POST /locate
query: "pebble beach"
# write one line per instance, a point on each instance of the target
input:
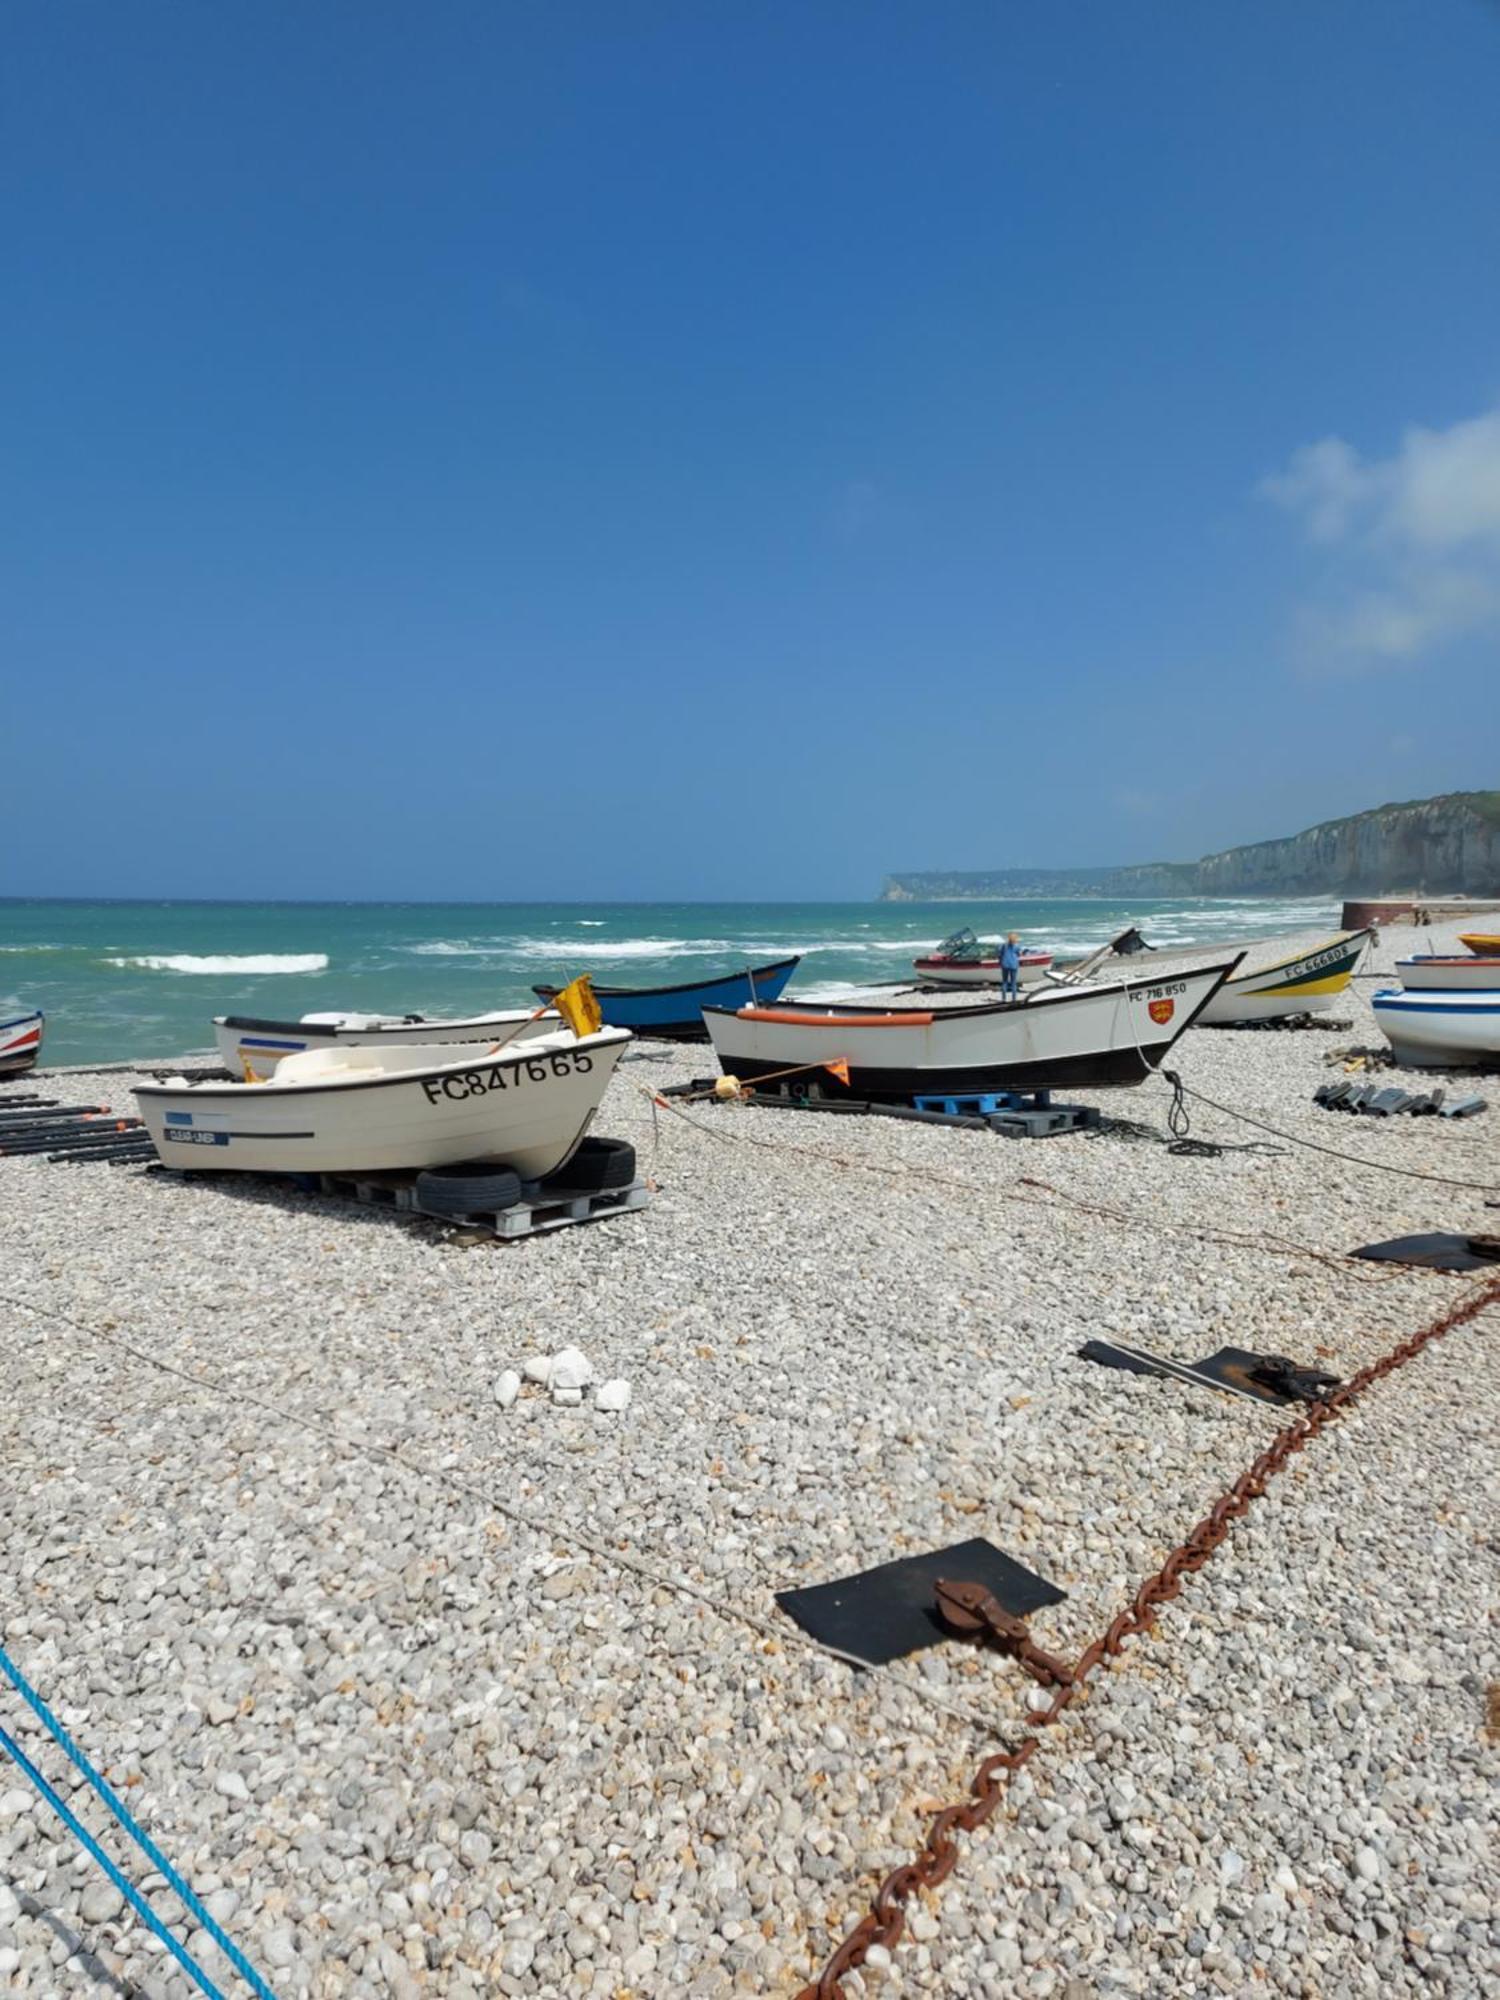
(431, 1694)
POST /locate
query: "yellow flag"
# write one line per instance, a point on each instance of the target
(840, 1068)
(578, 1007)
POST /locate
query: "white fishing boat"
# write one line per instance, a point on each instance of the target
(20, 1043)
(346, 1110)
(1428, 972)
(1436, 1030)
(964, 960)
(1306, 983)
(1055, 1036)
(253, 1048)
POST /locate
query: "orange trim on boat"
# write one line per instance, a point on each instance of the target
(800, 1020)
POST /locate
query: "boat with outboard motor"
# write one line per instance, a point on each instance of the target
(254, 1048)
(1087, 1036)
(963, 960)
(21, 1043)
(675, 1013)
(1437, 1030)
(1307, 982)
(350, 1110)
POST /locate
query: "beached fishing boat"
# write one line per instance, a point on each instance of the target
(962, 960)
(351, 1110)
(675, 1013)
(253, 1048)
(20, 1043)
(1085, 1036)
(1484, 944)
(1440, 1030)
(1306, 983)
(1429, 972)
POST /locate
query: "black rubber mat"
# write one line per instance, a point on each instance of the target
(883, 1614)
(1440, 1251)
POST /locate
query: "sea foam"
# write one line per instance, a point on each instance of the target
(256, 963)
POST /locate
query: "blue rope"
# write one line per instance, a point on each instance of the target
(132, 1895)
(137, 1833)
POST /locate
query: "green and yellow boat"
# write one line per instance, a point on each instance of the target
(1306, 983)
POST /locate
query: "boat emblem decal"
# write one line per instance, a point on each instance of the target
(1161, 1011)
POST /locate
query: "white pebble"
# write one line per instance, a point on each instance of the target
(613, 1395)
(507, 1388)
(538, 1368)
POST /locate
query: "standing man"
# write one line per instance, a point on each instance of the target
(1010, 968)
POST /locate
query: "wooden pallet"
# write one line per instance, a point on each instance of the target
(536, 1212)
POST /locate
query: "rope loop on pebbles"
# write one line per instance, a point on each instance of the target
(105, 1791)
(1181, 1089)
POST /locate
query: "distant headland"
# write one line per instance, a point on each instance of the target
(1443, 846)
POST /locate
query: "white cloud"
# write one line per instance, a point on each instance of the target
(1413, 540)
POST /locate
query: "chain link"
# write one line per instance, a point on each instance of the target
(938, 1855)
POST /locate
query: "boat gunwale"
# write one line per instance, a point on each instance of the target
(232, 1093)
(1050, 996)
(330, 1029)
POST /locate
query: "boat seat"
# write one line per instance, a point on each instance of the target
(318, 1066)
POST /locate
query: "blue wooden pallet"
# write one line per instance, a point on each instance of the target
(985, 1103)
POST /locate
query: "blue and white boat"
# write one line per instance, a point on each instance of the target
(675, 1013)
(1433, 1029)
(20, 1043)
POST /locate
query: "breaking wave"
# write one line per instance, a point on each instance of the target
(257, 963)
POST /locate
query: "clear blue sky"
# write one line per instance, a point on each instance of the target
(682, 450)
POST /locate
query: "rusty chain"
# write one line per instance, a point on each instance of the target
(936, 1859)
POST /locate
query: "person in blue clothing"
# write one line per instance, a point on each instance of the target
(1010, 968)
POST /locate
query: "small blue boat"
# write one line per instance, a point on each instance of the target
(675, 1013)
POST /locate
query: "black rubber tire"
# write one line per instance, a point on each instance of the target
(597, 1165)
(471, 1187)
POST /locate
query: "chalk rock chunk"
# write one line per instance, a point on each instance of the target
(575, 1363)
(566, 1394)
(538, 1369)
(507, 1388)
(614, 1395)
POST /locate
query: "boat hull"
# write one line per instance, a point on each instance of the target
(1306, 983)
(1083, 1037)
(255, 1048)
(1484, 944)
(979, 971)
(1440, 1030)
(21, 1043)
(361, 1110)
(675, 1013)
(1448, 975)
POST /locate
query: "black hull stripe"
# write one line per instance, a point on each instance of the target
(1117, 1069)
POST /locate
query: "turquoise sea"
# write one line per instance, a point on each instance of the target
(118, 980)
